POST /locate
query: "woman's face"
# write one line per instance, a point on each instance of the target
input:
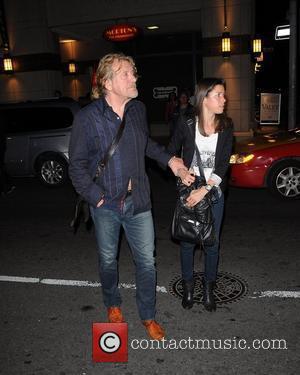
(215, 100)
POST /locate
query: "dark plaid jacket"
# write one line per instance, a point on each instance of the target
(94, 128)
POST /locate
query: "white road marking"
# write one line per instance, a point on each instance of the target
(160, 289)
(69, 282)
(18, 279)
(63, 282)
(278, 293)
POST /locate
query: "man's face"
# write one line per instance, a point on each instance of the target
(123, 81)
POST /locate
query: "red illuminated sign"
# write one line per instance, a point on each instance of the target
(121, 32)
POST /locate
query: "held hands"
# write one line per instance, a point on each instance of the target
(176, 164)
(187, 177)
(181, 171)
(196, 196)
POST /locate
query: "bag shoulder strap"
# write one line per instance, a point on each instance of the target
(111, 150)
(189, 123)
(199, 162)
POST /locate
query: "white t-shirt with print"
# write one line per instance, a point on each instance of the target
(207, 149)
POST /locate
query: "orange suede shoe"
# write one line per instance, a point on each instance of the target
(115, 315)
(155, 331)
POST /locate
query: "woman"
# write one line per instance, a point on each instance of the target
(211, 130)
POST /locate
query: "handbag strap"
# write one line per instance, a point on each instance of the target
(199, 162)
(189, 122)
(111, 150)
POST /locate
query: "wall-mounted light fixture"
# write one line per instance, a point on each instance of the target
(72, 67)
(8, 64)
(226, 44)
(256, 47)
(226, 48)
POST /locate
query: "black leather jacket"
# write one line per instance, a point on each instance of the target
(182, 144)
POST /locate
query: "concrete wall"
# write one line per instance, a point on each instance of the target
(237, 70)
(29, 34)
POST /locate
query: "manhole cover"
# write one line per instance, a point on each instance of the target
(228, 288)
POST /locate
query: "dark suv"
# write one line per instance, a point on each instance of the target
(37, 138)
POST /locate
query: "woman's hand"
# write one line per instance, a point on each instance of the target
(196, 196)
(186, 177)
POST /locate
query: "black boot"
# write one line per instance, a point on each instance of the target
(188, 294)
(208, 295)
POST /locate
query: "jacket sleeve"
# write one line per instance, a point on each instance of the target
(154, 150)
(175, 144)
(157, 152)
(223, 161)
(79, 160)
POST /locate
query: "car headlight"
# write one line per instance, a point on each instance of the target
(240, 158)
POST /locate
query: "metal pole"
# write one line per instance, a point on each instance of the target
(292, 65)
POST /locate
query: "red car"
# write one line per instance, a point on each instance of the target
(271, 161)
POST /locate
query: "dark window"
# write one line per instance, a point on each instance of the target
(35, 119)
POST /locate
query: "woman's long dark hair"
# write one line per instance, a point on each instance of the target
(203, 88)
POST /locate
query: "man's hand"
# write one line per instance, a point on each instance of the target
(100, 203)
(176, 164)
(186, 176)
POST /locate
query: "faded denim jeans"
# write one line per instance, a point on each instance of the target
(139, 232)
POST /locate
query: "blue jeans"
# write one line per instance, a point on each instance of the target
(139, 232)
(211, 253)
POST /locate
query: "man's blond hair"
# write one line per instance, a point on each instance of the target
(105, 71)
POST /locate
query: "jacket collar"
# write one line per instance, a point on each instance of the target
(106, 110)
(191, 124)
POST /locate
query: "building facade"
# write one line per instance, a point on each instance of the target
(43, 36)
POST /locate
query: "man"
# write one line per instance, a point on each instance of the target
(121, 197)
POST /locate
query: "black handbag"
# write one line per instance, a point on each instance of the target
(194, 224)
(82, 207)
